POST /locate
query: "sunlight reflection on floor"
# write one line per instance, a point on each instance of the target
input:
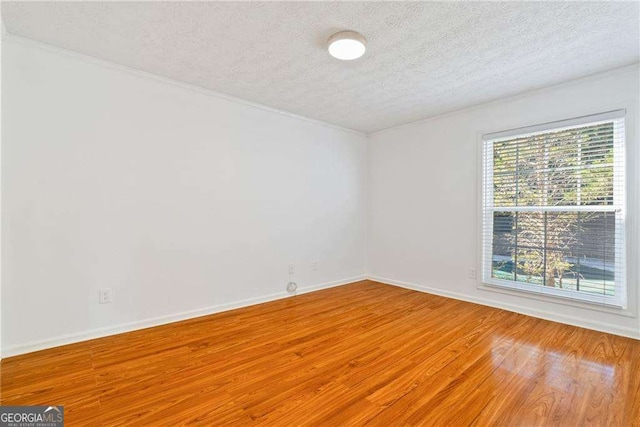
(527, 360)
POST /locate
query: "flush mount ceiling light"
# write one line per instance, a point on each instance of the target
(347, 45)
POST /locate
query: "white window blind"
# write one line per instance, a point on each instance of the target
(554, 209)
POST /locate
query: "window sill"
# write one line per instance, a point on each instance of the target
(559, 300)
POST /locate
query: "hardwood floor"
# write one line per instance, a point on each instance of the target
(364, 353)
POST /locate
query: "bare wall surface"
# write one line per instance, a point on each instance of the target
(424, 196)
(178, 201)
(184, 203)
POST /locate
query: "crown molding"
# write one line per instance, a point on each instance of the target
(634, 67)
(6, 36)
(166, 80)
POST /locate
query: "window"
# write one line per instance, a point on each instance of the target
(554, 209)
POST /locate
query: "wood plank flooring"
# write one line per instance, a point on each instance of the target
(364, 353)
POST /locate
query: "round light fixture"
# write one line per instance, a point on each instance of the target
(347, 45)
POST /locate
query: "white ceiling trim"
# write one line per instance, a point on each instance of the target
(633, 68)
(7, 36)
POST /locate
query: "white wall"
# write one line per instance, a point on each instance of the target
(2, 34)
(175, 199)
(424, 206)
(185, 203)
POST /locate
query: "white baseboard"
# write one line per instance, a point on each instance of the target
(554, 317)
(29, 347)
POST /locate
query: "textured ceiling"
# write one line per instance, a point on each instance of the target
(423, 58)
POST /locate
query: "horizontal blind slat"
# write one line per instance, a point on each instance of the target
(553, 211)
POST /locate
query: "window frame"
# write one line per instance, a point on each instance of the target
(618, 302)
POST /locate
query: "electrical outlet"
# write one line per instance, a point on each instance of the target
(104, 296)
(292, 269)
(472, 273)
(315, 266)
